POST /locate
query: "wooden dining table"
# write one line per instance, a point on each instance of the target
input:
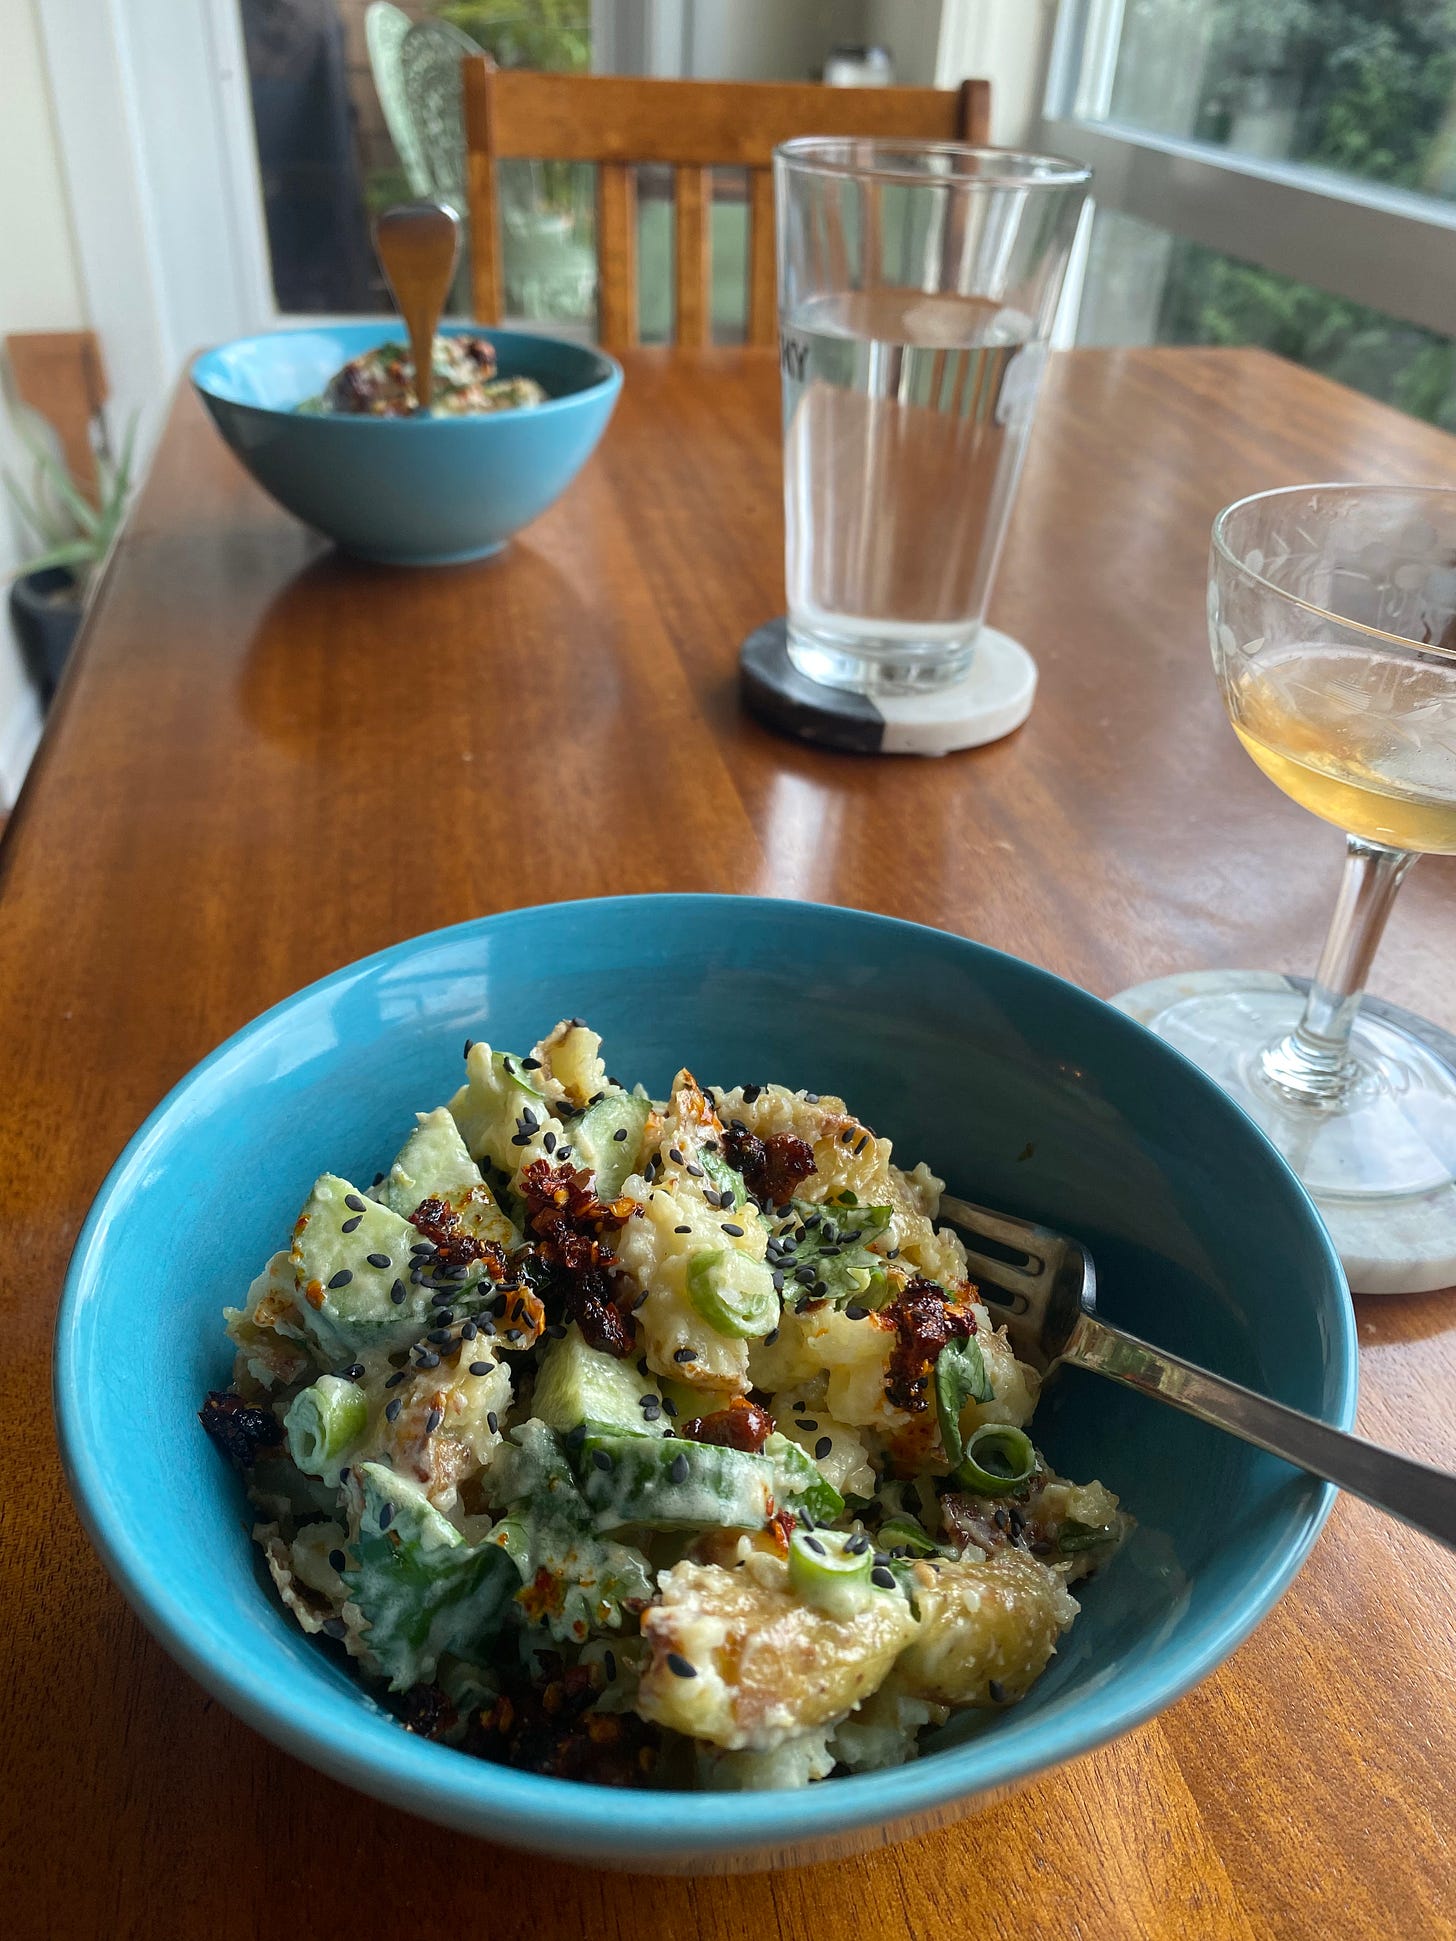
(267, 760)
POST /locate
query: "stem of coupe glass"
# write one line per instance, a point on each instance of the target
(1312, 1064)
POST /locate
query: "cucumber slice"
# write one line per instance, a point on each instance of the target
(422, 1589)
(673, 1485)
(578, 1384)
(798, 1482)
(346, 1300)
(608, 1136)
(434, 1164)
(733, 1292)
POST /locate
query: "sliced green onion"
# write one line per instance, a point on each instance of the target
(997, 1459)
(827, 1574)
(1074, 1536)
(323, 1423)
(902, 1533)
(732, 1291)
(960, 1377)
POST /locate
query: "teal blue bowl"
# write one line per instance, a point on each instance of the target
(407, 491)
(1023, 1091)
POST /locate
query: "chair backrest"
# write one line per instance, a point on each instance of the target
(694, 126)
(385, 27)
(430, 57)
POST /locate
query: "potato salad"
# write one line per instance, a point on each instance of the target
(651, 1442)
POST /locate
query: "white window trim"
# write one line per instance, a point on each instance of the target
(1383, 247)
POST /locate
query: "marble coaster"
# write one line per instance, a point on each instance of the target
(994, 697)
(1388, 1246)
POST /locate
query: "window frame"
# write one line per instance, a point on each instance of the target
(1390, 249)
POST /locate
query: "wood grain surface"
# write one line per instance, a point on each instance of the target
(232, 800)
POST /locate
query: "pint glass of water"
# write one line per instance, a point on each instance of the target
(917, 287)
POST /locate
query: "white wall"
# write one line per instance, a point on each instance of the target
(768, 40)
(40, 289)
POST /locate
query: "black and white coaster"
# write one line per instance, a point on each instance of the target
(994, 697)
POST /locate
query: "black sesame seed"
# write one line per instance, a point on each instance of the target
(549, 1141)
(342, 1278)
(730, 1226)
(530, 1064)
(811, 1098)
(620, 1134)
(823, 1447)
(997, 1691)
(682, 1229)
(379, 1260)
(344, 1474)
(492, 1421)
(601, 1459)
(353, 1372)
(433, 1421)
(805, 1422)
(805, 1275)
(520, 1138)
(806, 1521)
(857, 1546)
(469, 1331)
(427, 1359)
(854, 1312)
(556, 1331)
(334, 1627)
(685, 1354)
(350, 1225)
(640, 1299)
(353, 1202)
(564, 1153)
(576, 1437)
(861, 1146)
(669, 1407)
(677, 1470)
(751, 1093)
(846, 1135)
(813, 1543)
(438, 1335)
(392, 1409)
(884, 1577)
(609, 1664)
(469, 1046)
(480, 1367)
(394, 1381)
(386, 1515)
(679, 1665)
(695, 1171)
(771, 1337)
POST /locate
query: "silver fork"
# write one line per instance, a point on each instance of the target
(1047, 1297)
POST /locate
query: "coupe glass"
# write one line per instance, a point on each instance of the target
(1332, 617)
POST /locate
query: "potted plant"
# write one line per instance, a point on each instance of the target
(48, 592)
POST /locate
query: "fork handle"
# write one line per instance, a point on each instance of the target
(1416, 1492)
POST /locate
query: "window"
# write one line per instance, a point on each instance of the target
(1311, 139)
(1144, 285)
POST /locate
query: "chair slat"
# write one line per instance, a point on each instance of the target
(693, 190)
(762, 272)
(487, 296)
(617, 255)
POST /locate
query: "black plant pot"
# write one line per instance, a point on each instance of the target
(46, 610)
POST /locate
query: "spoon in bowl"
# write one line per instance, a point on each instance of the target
(1043, 1287)
(418, 245)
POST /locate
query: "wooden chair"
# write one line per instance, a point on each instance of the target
(618, 121)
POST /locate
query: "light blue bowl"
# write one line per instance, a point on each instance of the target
(407, 491)
(1025, 1092)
